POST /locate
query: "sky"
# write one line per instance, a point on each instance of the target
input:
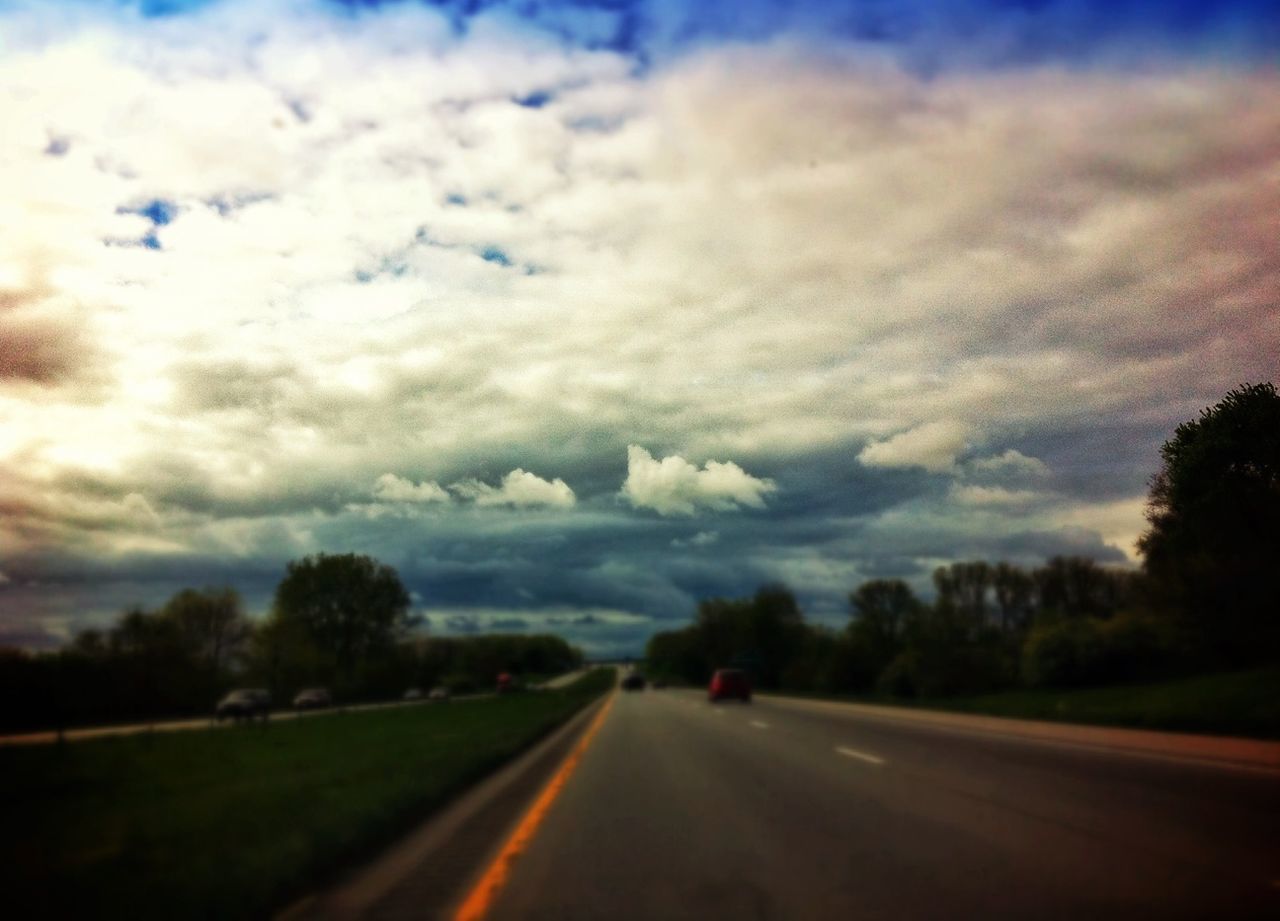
(576, 313)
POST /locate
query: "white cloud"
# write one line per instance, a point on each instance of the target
(520, 489)
(701, 539)
(392, 488)
(992, 496)
(1010, 463)
(933, 446)
(673, 486)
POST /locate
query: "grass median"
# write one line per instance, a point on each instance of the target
(231, 823)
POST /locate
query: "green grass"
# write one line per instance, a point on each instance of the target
(1236, 703)
(233, 823)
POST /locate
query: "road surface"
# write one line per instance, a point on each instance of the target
(791, 810)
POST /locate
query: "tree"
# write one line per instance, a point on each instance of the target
(350, 606)
(963, 589)
(882, 609)
(1214, 515)
(211, 622)
(1015, 596)
(1075, 586)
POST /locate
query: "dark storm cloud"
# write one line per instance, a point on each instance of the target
(39, 345)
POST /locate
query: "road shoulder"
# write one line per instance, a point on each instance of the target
(428, 871)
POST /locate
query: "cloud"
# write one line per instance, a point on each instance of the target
(519, 489)
(992, 496)
(673, 486)
(392, 488)
(932, 446)
(1010, 463)
(1070, 259)
(701, 539)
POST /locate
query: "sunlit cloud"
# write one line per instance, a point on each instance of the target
(519, 489)
(932, 446)
(673, 486)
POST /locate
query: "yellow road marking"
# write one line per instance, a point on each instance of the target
(481, 897)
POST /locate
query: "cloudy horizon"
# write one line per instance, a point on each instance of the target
(577, 313)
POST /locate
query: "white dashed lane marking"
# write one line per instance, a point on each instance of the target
(861, 756)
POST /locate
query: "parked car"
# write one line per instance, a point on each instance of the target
(312, 699)
(633, 682)
(729, 683)
(244, 704)
(506, 683)
(440, 694)
(413, 694)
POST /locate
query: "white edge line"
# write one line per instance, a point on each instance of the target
(861, 756)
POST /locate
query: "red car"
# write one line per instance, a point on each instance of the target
(506, 684)
(729, 682)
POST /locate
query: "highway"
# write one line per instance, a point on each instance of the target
(788, 809)
(84, 733)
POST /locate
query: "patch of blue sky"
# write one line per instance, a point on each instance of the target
(149, 240)
(496, 255)
(535, 100)
(158, 211)
(931, 33)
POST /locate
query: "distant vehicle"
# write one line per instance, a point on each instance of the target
(413, 694)
(313, 699)
(506, 683)
(729, 682)
(439, 694)
(633, 682)
(244, 704)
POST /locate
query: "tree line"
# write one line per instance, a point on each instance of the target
(337, 621)
(1204, 598)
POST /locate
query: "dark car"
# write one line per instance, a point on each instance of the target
(633, 682)
(729, 683)
(313, 699)
(244, 704)
(506, 683)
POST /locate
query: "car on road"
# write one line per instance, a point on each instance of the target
(506, 683)
(729, 683)
(312, 699)
(413, 694)
(439, 694)
(244, 704)
(633, 682)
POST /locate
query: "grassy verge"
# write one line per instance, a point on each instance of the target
(1237, 703)
(231, 823)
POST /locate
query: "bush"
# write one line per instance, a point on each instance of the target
(900, 677)
(1063, 654)
(1138, 646)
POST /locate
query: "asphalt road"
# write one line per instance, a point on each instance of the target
(785, 810)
